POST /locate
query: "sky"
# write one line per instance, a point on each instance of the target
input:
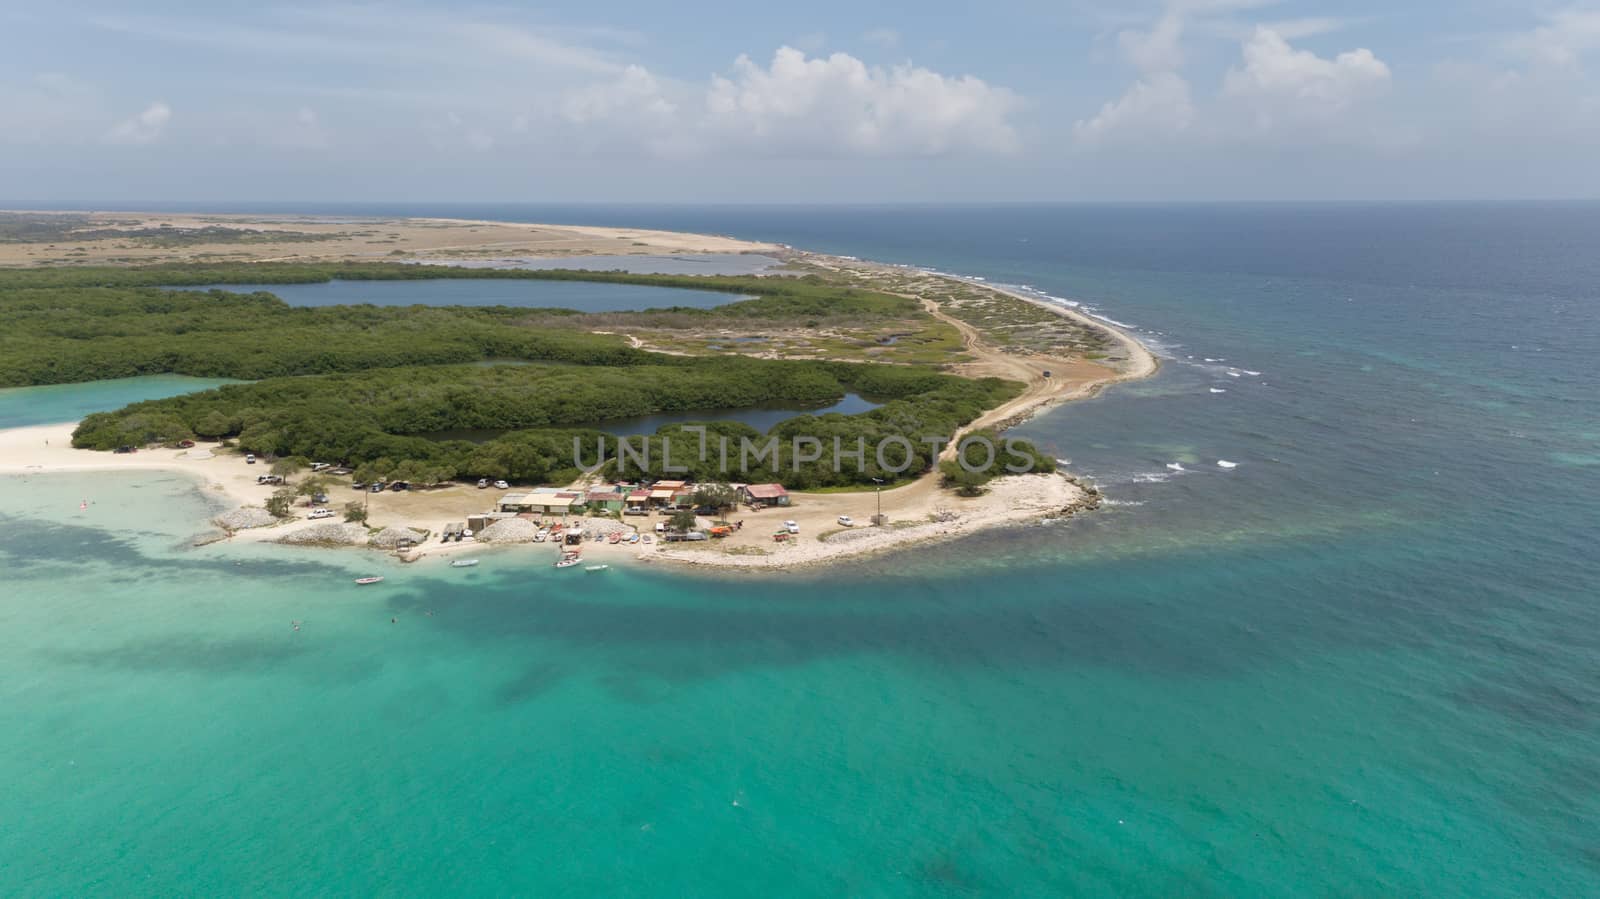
(820, 102)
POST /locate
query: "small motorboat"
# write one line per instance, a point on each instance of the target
(646, 539)
(593, 568)
(569, 561)
(369, 580)
(633, 538)
(464, 563)
(616, 537)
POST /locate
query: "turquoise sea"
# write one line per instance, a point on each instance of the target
(1363, 662)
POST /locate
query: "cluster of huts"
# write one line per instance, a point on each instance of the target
(628, 499)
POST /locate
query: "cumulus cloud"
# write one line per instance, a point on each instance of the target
(1564, 38)
(634, 92)
(1156, 105)
(1280, 84)
(144, 128)
(1157, 49)
(838, 105)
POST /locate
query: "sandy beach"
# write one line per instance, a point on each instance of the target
(291, 238)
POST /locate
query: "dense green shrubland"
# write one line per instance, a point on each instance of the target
(379, 416)
(85, 324)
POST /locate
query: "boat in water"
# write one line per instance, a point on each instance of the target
(569, 559)
(369, 580)
(464, 563)
(593, 568)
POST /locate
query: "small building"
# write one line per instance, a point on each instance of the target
(603, 499)
(661, 497)
(515, 502)
(765, 494)
(555, 503)
(637, 502)
(543, 503)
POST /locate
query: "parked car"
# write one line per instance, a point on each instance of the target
(249, 458)
(124, 449)
(320, 513)
(376, 488)
(661, 527)
(847, 521)
(792, 527)
(501, 485)
(398, 486)
(185, 444)
(319, 497)
(319, 466)
(483, 483)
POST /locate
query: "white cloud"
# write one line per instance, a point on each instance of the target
(1157, 104)
(1563, 39)
(144, 128)
(887, 38)
(839, 105)
(1157, 50)
(1281, 84)
(635, 92)
(1314, 26)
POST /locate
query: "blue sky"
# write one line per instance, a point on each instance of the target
(1010, 100)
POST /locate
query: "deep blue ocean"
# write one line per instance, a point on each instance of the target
(1364, 661)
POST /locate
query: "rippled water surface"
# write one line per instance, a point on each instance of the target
(1365, 660)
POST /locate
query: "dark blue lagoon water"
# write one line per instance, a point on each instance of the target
(586, 296)
(1364, 661)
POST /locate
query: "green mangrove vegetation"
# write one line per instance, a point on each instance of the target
(378, 417)
(368, 385)
(65, 325)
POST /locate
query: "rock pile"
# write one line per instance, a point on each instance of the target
(508, 530)
(246, 517)
(390, 537)
(329, 533)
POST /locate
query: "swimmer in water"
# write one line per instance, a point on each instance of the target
(296, 624)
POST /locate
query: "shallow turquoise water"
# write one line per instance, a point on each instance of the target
(1364, 662)
(24, 406)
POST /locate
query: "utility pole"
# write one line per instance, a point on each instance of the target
(878, 491)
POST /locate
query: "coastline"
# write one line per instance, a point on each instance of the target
(919, 513)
